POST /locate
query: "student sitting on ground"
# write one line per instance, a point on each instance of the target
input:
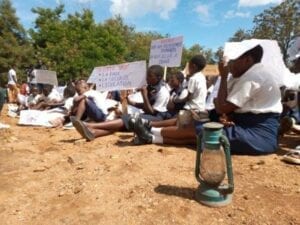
(177, 93)
(89, 103)
(179, 131)
(155, 96)
(50, 98)
(251, 103)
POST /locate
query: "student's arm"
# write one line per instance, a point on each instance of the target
(147, 107)
(222, 106)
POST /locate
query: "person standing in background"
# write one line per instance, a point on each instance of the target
(12, 85)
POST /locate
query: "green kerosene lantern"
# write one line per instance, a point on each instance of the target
(212, 164)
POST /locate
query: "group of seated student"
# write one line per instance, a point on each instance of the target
(156, 101)
(247, 102)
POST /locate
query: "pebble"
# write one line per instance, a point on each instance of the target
(40, 169)
(70, 160)
(246, 197)
(241, 209)
(261, 162)
(79, 142)
(77, 190)
(254, 167)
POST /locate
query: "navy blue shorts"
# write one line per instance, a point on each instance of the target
(93, 112)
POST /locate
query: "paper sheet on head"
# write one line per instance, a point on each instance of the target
(272, 57)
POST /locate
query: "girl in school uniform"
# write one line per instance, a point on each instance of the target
(250, 102)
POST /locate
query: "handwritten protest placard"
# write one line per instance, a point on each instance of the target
(166, 52)
(45, 77)
(119, 77)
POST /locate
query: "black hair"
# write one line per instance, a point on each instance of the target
(255, 53)
(69, 91)
(179, 76)
(157, 70)
(199, 61)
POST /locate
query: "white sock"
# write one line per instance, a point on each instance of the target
(156, 131)
(157, 139)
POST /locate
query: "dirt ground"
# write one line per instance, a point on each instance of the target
(51, 176)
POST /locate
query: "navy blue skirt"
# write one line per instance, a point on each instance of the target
(252, 134)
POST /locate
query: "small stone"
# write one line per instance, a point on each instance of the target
(160, 150)
(70, 160)
(39, 169)
(245, 197)
(79, 142)
(60, 194)
(241, 209)
(261, 162)
(254, 167)
(77, 190)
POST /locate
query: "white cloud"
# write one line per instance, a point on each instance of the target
(232, 14)
(203, 11)
(252, 3)
(205, 16)
(136, 8)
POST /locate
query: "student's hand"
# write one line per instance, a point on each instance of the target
(226, 121)
(223, 68)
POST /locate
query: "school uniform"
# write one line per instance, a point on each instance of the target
(257, 118)
(95, 106)
(177, 94)
(197, 87)
(158, 96)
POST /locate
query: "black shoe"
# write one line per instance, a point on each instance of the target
(131, 121)
(146, 124)
(141, 131)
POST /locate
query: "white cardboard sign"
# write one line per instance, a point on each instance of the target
(45, 77)
(166, 52)
(119, 77)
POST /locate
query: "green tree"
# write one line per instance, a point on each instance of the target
(240, 35)
(14, 46)
(139, 45)
(280, 23)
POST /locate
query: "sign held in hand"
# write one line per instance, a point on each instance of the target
(119, 77)
(166, 52)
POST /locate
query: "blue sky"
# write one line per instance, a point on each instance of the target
(206, 22)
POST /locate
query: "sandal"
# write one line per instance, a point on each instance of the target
(83, 129)
(293, 156)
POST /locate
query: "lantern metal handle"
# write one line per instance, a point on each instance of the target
(198, 153)
(226, 146)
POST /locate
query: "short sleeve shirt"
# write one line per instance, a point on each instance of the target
(255, 92)
(161, 100)
(197, 87)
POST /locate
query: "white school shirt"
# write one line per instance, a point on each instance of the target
(98, 98)
(255, 92)
(54, 95)
(197, 87)
(11, 75)
(161, 100)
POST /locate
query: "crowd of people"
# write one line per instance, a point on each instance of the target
(254, 110)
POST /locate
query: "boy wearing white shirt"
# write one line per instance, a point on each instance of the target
(88, 103)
